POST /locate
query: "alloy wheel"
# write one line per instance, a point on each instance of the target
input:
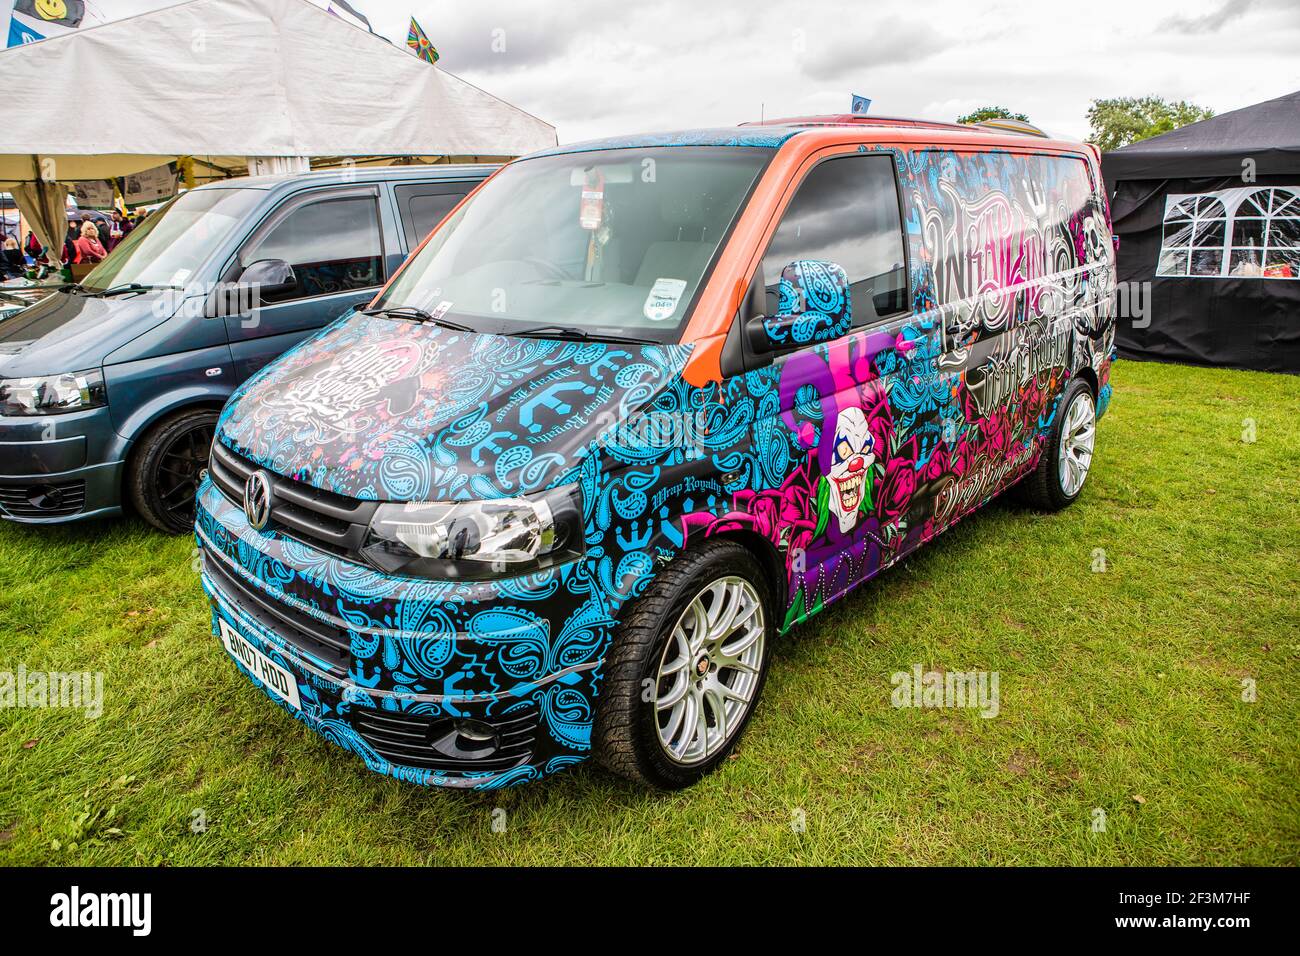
(179, 467)
(709, 670)
(1078, 436)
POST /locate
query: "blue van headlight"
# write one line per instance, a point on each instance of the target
(52, 394)
(476, 540)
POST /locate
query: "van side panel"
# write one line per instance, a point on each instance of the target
(1010, 252)
(1012, 283)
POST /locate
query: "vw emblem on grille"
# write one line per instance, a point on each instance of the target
(257, 499)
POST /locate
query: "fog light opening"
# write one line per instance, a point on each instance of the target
(475, 733)
(45, 497)
(467, 739)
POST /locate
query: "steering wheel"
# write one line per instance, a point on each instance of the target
(548, 270)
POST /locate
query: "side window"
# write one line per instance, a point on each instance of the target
(332, 244)
(846, 211)
(1266, 235)
(1241, 231)
(423, 207)
(1192, 242)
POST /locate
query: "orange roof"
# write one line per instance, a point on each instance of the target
(855, 119)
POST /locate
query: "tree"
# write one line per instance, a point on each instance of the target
(1119, 122)
(991, 112)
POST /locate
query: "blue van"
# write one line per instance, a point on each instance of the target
(110, 388)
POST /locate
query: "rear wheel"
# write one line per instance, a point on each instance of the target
(686, 669)
(1058, 478)
(165, 470)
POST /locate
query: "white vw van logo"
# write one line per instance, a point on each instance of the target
(257, 499)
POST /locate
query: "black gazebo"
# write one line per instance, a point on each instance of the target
(1209, 214)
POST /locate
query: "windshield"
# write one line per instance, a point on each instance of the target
(167, 248)
(613, 242)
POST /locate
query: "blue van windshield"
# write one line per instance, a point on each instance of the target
(169, 246)
(612, 241)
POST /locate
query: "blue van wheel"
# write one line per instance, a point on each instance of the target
(167, 467)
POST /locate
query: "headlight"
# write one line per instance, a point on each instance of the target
(476, 540)
(52, 394)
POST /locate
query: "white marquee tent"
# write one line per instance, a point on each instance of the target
(275, 84)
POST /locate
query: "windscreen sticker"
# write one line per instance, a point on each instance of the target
(179, 277)
(441, 309)
(661, 303)
(592, 209)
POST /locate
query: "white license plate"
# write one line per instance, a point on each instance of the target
(278, 681)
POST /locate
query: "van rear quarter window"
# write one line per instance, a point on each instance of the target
(1000, 220)
(425, 205)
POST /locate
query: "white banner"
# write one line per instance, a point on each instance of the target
(94, 194)
(150, 185)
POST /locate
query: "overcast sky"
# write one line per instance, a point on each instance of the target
(604, 67)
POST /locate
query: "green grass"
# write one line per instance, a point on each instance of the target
(1120, 690)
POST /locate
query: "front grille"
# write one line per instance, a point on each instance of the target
(319, 641)
(322, 519)
(43, 500)
(429, 741)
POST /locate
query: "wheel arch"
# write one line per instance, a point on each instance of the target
(146, 418)
(146, 421)
(769, 559)
(1088, 374)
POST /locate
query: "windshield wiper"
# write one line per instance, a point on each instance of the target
(122, 289)
(419, 315)
(581, 335)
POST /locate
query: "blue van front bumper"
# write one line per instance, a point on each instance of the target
(59, 468)
(458, 684)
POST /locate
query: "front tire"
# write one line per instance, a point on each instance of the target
(686, 669)
(1057, 480)
(164, 472)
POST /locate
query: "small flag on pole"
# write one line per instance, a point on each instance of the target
(34, 20)
(346, 12)
(419, 43)
(860, 105)
(62, 13)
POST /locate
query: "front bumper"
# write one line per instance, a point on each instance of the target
(59, 468)
(386, 667)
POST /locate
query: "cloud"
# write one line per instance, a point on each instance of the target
(513, 35)
(1210, 22)
(851, 50)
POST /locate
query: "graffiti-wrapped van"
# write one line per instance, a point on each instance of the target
(633, 410)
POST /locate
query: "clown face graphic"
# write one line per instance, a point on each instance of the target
(852, 457)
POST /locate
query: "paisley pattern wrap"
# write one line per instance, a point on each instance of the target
(943, 408)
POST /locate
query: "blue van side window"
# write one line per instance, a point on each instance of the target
(333, 246)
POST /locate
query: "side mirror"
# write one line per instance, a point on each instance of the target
(263, 278)
(269, 276)
(813, 306)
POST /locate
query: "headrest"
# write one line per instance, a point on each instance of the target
(679, 211)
